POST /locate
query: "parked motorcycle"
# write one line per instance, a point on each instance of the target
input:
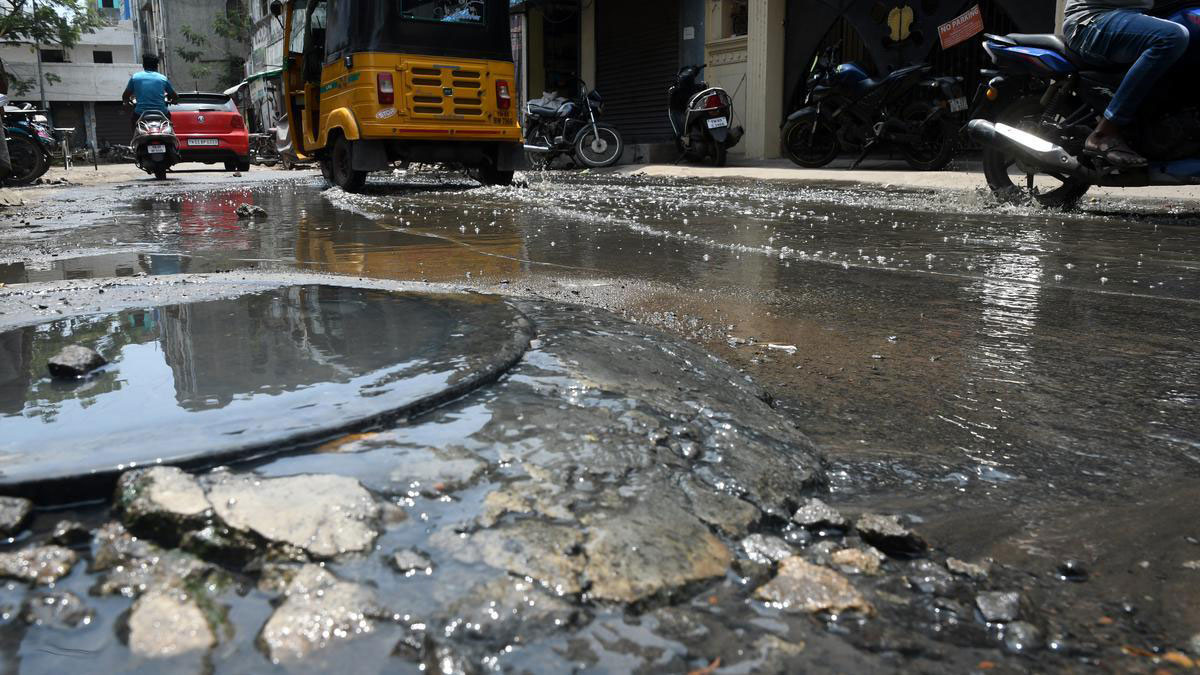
(845, 110)
(1042, 101)
(557, 126)
(30, 143)
(701, 117)
(155, 146)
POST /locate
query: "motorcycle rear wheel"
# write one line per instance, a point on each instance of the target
(28, 161)
(936, 147)
(810, 144)
(1049, 190)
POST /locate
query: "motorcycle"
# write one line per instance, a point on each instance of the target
(845, 110)
(31, 142)
(1042, 101)
(155, 146)
(556, 126)
(700, 116)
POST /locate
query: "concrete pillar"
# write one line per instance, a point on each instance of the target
(764, 78)
(536, 51)
(89, 123)
(587, 44)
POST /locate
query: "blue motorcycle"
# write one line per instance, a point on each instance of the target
(1041, 102)
(30, 144)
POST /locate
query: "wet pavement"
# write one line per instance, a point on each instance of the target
(1022, 384)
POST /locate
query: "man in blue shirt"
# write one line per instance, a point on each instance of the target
(151, 89)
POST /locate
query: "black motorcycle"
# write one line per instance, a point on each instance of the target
(31, 143)
(702, 117)
(1042, 101)
(557, 126)
(845, 110)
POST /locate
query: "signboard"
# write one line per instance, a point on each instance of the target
(960, 29)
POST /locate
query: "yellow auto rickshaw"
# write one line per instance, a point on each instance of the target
(372, 82)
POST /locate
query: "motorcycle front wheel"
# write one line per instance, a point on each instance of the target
(599, 148)
(810, 143)
(934, 148)
(1003, 171)
(28, 162)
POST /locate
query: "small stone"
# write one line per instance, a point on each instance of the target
(802, 586)
(817, 515)
(998, 606)
(929, 577)
(319, 609)
(1194, 645)
(1191, 565)
(41, 565)
(14, 511)
(74, 361)
(411, 561)
(888, 535)
(966, 569)
(858, 561)
(165, 623)
(1179, 659)
(70, 533)
(763, 548)
(56, 610)
(250, 210)
(1021, 637)
(162, 501)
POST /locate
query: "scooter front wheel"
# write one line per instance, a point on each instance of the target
(599, 147)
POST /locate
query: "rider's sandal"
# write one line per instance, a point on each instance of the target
(1115, 152)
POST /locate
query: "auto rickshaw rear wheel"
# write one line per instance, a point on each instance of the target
(488, 174)
(342, 170)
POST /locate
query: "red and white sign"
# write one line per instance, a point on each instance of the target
(962, 28)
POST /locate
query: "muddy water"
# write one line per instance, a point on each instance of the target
(996, 372)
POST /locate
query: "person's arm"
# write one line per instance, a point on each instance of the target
(127, 96)
(171, 96)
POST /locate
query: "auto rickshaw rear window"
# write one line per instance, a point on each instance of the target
(444, 11)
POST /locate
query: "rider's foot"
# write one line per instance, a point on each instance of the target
(1106, 142)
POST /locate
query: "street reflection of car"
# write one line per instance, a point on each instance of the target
(368, 83)
(210, 130)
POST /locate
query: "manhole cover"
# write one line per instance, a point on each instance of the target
(204, 382)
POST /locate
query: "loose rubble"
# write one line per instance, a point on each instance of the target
(167, 623)
(40, 565)
(802, 586)
(14, 512)
(74, 361)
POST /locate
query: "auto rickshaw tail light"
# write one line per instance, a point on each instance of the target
(503, 97)
(387, 92)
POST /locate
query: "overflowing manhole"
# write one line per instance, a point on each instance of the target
(201, 383)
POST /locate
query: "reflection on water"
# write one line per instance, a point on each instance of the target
(266, 363)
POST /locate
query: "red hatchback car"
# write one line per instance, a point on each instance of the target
(210, 129)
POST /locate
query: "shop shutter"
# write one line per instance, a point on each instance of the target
(637, 56)
(112, 124)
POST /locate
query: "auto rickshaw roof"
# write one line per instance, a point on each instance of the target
(354, 26)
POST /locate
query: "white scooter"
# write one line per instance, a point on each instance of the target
(155, 146)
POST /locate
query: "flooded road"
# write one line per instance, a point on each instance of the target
(1024, 383)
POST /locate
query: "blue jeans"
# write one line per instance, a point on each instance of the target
(1122, 37)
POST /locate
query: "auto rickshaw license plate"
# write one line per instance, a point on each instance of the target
(718, 122)
(156, 149)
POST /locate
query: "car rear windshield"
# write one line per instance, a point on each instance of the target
(446, 11)
(194, 103)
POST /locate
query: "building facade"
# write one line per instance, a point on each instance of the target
(83, 84)
(192, 55)
(263, 65)
(758, 50)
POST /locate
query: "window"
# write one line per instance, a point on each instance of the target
(54, 56)
(108, 4)
(102, 57)
(449, 11)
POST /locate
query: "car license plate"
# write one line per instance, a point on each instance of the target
(156, 149)
(958, 104)
(717, 122)
(203, 141)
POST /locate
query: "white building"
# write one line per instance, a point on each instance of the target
(84, 83)
(263, 64)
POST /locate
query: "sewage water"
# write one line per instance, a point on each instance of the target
(209, 380)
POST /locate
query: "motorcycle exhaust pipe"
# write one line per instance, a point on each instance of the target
(1030, 148)
(537, 148)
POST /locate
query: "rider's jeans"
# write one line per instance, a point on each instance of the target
(1122, 37)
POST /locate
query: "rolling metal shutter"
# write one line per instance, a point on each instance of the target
(637, 56)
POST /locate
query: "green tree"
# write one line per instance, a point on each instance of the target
(233, 25)
(58, 23)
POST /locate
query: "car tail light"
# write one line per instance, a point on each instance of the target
(236, 122)
(387, 92)
(503, 97)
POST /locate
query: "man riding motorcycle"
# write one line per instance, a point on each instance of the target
(151, 89)
(1118, 33)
